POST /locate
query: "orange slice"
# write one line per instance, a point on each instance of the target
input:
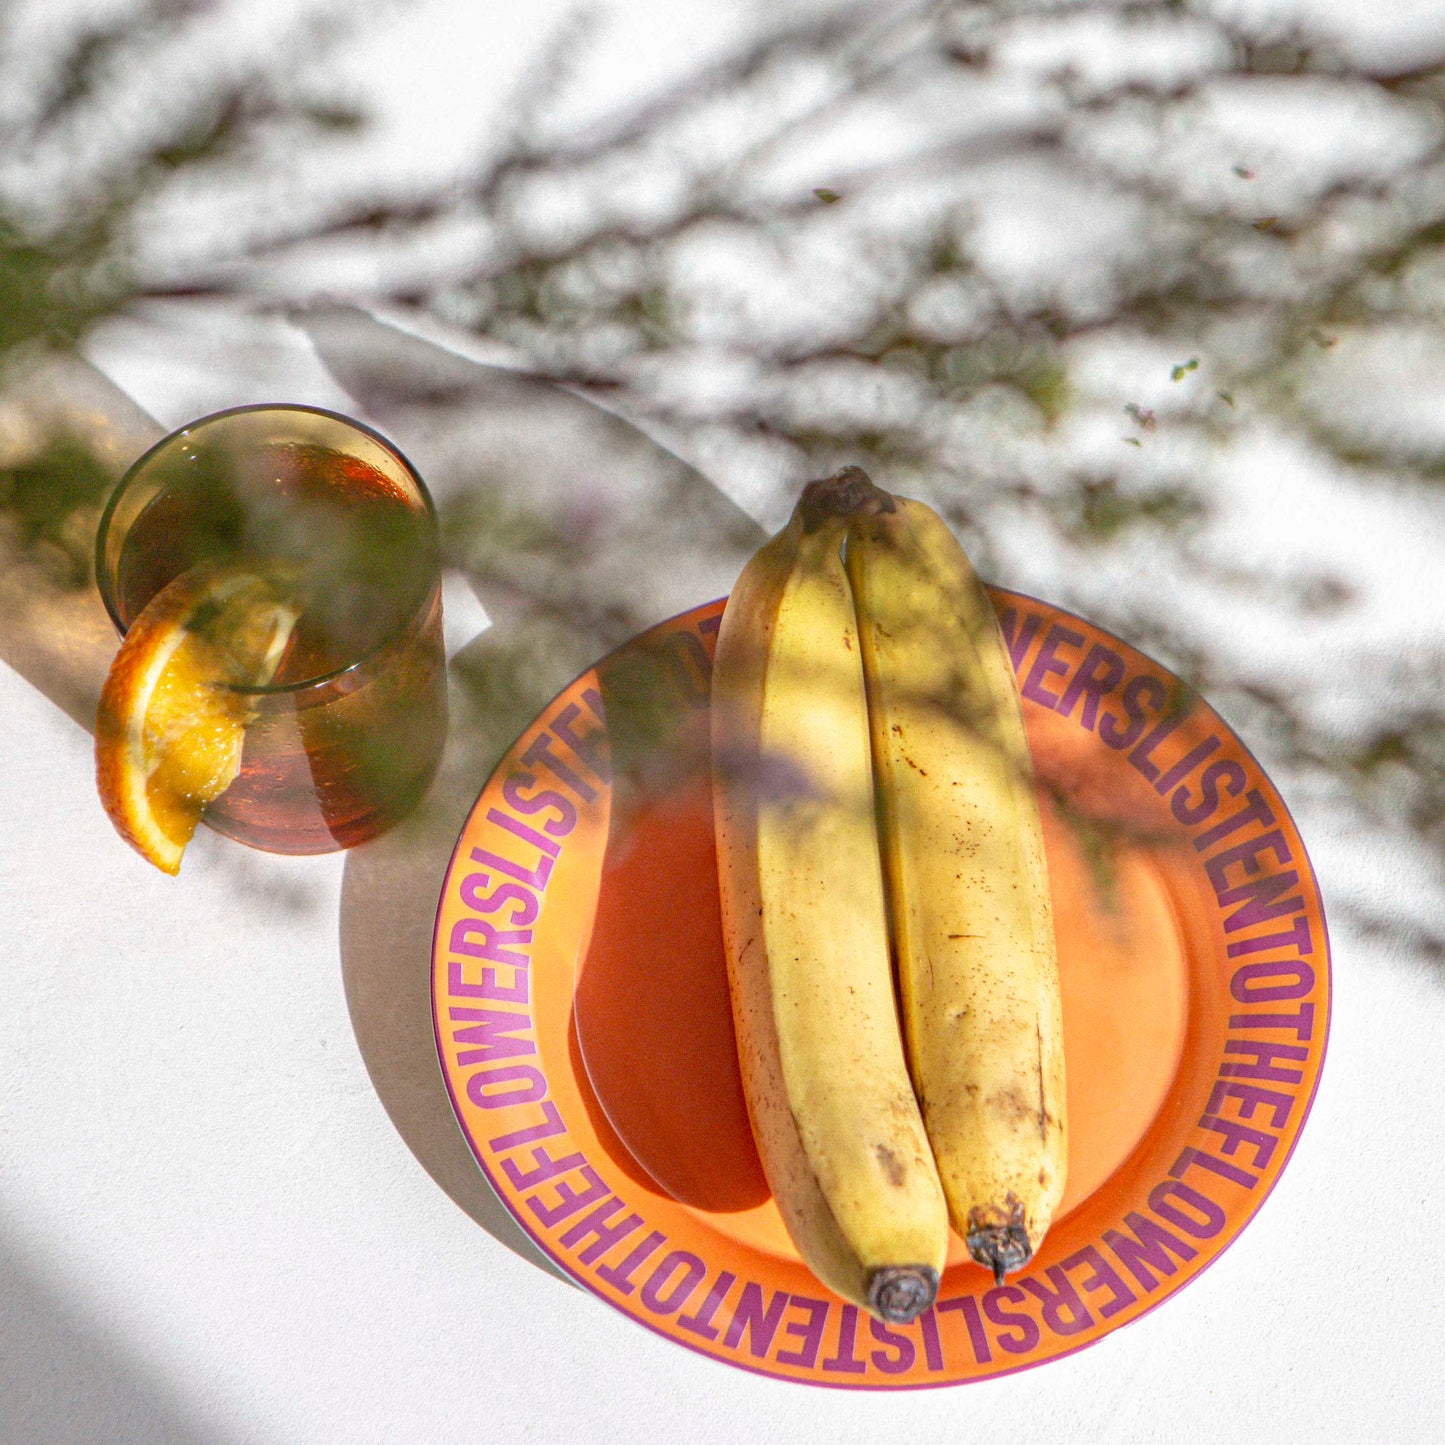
(170, 725)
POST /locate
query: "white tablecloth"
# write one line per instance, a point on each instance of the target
(233, 1207)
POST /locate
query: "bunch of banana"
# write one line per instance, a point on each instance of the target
(876, 821)
(805, 926)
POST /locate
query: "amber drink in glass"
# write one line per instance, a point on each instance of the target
(348, 733)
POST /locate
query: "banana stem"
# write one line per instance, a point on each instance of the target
(846, 493)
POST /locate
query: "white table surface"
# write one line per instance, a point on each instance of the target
(232, 1210)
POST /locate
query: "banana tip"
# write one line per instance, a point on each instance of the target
(899, 1293)
(1000, 1247)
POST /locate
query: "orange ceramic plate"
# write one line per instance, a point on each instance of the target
(582, 1016)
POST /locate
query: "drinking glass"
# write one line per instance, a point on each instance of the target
(348, 733)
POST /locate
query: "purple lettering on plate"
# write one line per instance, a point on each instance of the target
(1064, 1312)
(1102, 1276)
(809, 1331)
(548, 799)
(619, 1275)
(1187, 1209)
(550, 1126)
(1049, 662)
(1020, 1332)
(606, 1231)
(541, 753)
(1098, 675)
(898, 1352)
(484, 1091)
(570, 1201)
(967, 1306)
(1146, 1248)
(759, 1324)
(672, 1283)
(701, 1323)
(844, 1359)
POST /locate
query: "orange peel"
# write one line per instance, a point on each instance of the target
(171, 722)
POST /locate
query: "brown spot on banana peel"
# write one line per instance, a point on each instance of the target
(1043, 1107)
(891, 1164)
(1010, 1105)
(999, 1239)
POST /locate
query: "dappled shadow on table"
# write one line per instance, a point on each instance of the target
(68, 1380)
(620, 534)
(1076, 423)
(1247, 285)
(613, 534)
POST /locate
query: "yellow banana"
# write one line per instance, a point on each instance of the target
(833, 1112)
(967, 887)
